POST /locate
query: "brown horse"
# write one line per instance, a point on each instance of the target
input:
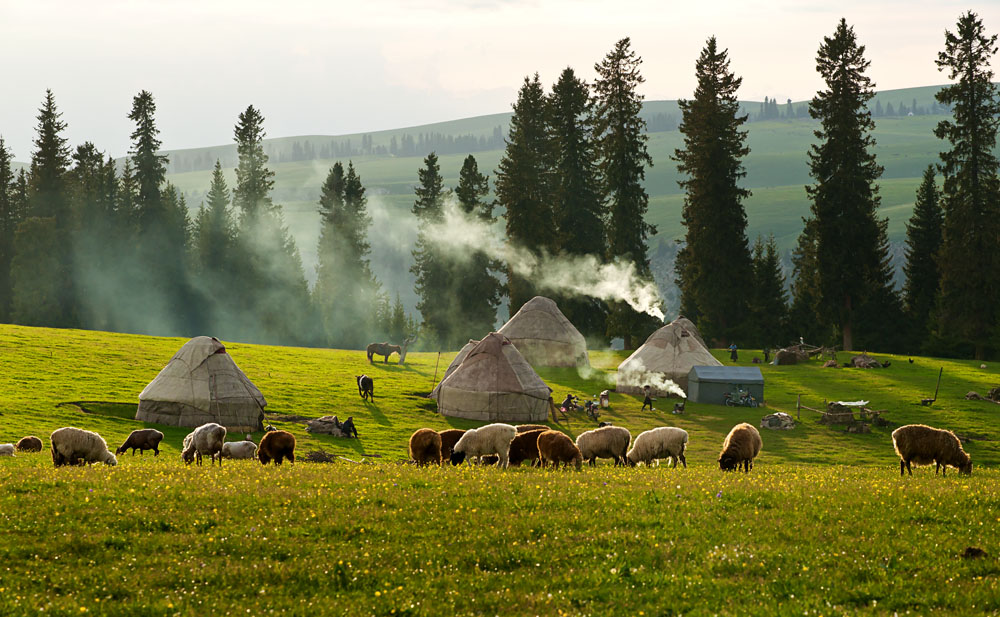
(383, 349)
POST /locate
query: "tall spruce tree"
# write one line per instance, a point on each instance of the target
(346, 291)
(477, 289)
(620, 134)
(214, 249)
(807, 320)
(9, 220)
(169, 305)
(923, 241)
(969, 260)
(42, 282)
(768, 304)
(523, 186)
(578, 205)
(851, 245)
(431, 269)
(274, 292)
(714, 266)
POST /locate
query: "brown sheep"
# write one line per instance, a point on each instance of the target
(556, 447)
(425, 447)
(449, 438)
(524, 428)
(742, 445)
(276, 445)
(142, 440)
(29, 444)
(525, 447)
(923, 445)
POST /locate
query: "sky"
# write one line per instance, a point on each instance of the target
(335, 67)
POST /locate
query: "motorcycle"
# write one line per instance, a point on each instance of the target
(743, 398)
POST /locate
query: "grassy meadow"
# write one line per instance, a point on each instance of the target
(823, 525)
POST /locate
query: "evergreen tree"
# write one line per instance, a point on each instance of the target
(523, 186)
(621, 146)
(169, 305)
(879, 112)
(49, 163)
(9, 220)
(42, 285)
(213, 246)
(851, 245)
(768, 304)
(477, 289)
(346, 289)
(969, 259)
(578, 206)
(923, 240)
(432, 272)
(807, 319)
(274, 292)
(715, 266)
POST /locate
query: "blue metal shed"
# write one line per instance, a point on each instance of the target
(709, 384)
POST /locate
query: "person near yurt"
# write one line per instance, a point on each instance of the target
(544, 336)
(668, 354)
(201, 384)
(494, 383)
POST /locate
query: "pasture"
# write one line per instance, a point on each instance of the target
(823, 525)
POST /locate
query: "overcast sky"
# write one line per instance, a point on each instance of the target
(330, 67)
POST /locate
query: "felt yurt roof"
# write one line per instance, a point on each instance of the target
(669, 353)
(494, 383)
(544, 336)
(454, 364)
(200, 384)
(688, 325)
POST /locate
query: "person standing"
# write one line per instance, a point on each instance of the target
(732, 352)
(647, 400)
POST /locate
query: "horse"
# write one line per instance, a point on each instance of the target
(366, 387)
(383, 349)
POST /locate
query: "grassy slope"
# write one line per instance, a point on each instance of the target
(801, 534)
(42, 368)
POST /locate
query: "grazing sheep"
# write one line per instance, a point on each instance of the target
(525, 447)
(239, 450)
(207, 439)
(524, 428)
(425, 447)
(6, 449)
(923, 445)
(29, 444)
(556, 447)
(449, 437)
(489, 439)
(742, 445)
(142, 439)
(72, 446)
(275, 446)
(654, 444)
(604, 442)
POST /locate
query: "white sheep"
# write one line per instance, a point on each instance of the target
(72, 445)
(6, 449)
(605, 442)
(207, 439)
(239, 449)
(661, 442)
(489, 439)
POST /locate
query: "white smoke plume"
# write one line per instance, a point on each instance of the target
(638, 375)
(580, 275)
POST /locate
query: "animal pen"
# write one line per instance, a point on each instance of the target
(842, 412)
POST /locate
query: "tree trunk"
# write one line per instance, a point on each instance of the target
(628, 341)
(847, 327)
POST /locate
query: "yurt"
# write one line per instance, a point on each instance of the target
(454, 365)
(200, 384)
(544, 336)
(668, 354)
(494, 383)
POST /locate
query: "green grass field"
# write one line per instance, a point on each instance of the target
(823, 525)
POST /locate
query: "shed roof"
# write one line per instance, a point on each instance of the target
(726, 374)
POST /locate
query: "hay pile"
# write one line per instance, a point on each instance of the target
(327, 425)
(778, 421)
(790, 355)
(864, 361)
(320, 456)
